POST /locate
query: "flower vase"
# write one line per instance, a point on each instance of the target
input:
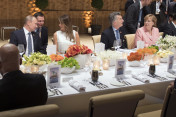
(134, 63)
(82, 59)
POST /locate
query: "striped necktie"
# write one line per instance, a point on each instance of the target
(29, 44)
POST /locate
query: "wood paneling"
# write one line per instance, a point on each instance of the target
(13, 12)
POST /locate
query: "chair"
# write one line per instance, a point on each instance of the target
(169, 106)
(50, 110)
(96, 39)
(115, 104)
(130, 40)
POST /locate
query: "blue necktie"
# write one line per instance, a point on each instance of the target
(29, 44)
(117, 35)
(140, 16)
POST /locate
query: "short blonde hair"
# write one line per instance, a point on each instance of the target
(154, 20)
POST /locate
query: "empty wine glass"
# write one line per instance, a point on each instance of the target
(21, 49)
(87, 69)
(117, 44)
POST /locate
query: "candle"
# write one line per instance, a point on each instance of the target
(156, 60)
(89, 30)
(34, 68)
(150, 61)
(105, 64)
(96, 65)
(124, 55)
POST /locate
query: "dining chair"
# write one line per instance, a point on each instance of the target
(168, 108)
(130, 40)
(96, 39)
(121, 104)
(50, 110)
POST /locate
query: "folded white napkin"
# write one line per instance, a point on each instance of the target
(141, 77)
(77, 85)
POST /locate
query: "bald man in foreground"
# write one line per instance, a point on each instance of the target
(18, 90)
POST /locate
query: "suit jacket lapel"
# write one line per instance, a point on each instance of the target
(112, 34)
(24, 38)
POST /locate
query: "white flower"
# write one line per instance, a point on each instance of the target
(110, 55)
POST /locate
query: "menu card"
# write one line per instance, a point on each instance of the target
(120, 67)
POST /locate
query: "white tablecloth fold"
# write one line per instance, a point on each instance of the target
(141, 77)
(76, 85)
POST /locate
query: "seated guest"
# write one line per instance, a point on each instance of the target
(148, 33)
(42, 31)
(129, 2)
(66, 35)
(171, 30)
(114, 32)
(27, 37)
(18, 90)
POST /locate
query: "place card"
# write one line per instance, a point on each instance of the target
(170, 63)
(53, 76)
(120, 67)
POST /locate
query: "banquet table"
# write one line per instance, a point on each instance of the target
(74, 103)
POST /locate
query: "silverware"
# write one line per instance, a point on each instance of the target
(99, 85)
(158, 77)
(123, 81)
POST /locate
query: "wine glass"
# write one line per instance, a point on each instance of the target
(87, 69)
(21, 49)
(117, 44)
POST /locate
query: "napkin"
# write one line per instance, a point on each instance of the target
(141, 77)
(76, 85)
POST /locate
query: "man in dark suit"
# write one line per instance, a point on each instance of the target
(19, 90)
(158, 8)
(129, 2)
(134, 17)
(171, 30)
(114, 32)
(42, 31)
(171, 7)
(27, 36)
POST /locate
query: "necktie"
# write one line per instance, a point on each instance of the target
(140, 16)
(29, 44)
(117, 35)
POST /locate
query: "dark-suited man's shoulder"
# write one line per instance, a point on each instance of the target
(108, 30)
(35, 77)
(44, 28)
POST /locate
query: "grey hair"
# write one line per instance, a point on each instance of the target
(28, 18)
(112, 17)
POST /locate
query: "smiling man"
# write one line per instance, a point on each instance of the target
(114, 32)
(26, 37)
(42, 31)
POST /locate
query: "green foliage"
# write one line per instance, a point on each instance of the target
(42, 4)
(36, 59)
(69, 62)
(97, 4)
(155, 47)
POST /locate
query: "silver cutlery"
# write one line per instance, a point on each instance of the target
(99, 85)
(158, 77)
(123, 81)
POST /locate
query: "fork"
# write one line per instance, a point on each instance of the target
(123, 81)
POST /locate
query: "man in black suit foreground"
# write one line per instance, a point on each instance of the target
(42, 31)
(18, 90)
(27, 37)
(114, 32)
(134, 16)
(172, 26)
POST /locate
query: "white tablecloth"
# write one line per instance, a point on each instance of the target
(74, 103)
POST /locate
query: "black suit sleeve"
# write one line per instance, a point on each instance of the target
(13, 39)
(104, 39)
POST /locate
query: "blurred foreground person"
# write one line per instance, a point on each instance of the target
(18, 90)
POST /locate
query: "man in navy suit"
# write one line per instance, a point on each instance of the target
(42, 31)
(171, 30)
(19, 90)
(134, 16)
(27, 36)
(114, 32)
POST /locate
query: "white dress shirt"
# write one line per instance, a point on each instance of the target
(27, 35)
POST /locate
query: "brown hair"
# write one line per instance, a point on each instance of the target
(66, 20)
(154, 20)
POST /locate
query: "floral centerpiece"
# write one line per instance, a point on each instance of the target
(80, 52)
(167, 43)
(55, 57)
(163, 54)
(148, 51)
(35, 63)
(134, 59)
(110, 55)
(68, 65)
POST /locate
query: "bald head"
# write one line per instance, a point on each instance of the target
(9, 58)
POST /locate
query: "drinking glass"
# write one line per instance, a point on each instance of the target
(87, 69)
(117, 44)
(21, 49)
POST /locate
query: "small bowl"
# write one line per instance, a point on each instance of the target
(67, 70)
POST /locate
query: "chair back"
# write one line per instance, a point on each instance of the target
(169, 104)
(96, 39)
(130, 40)
(50, 110)
(115, 104)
